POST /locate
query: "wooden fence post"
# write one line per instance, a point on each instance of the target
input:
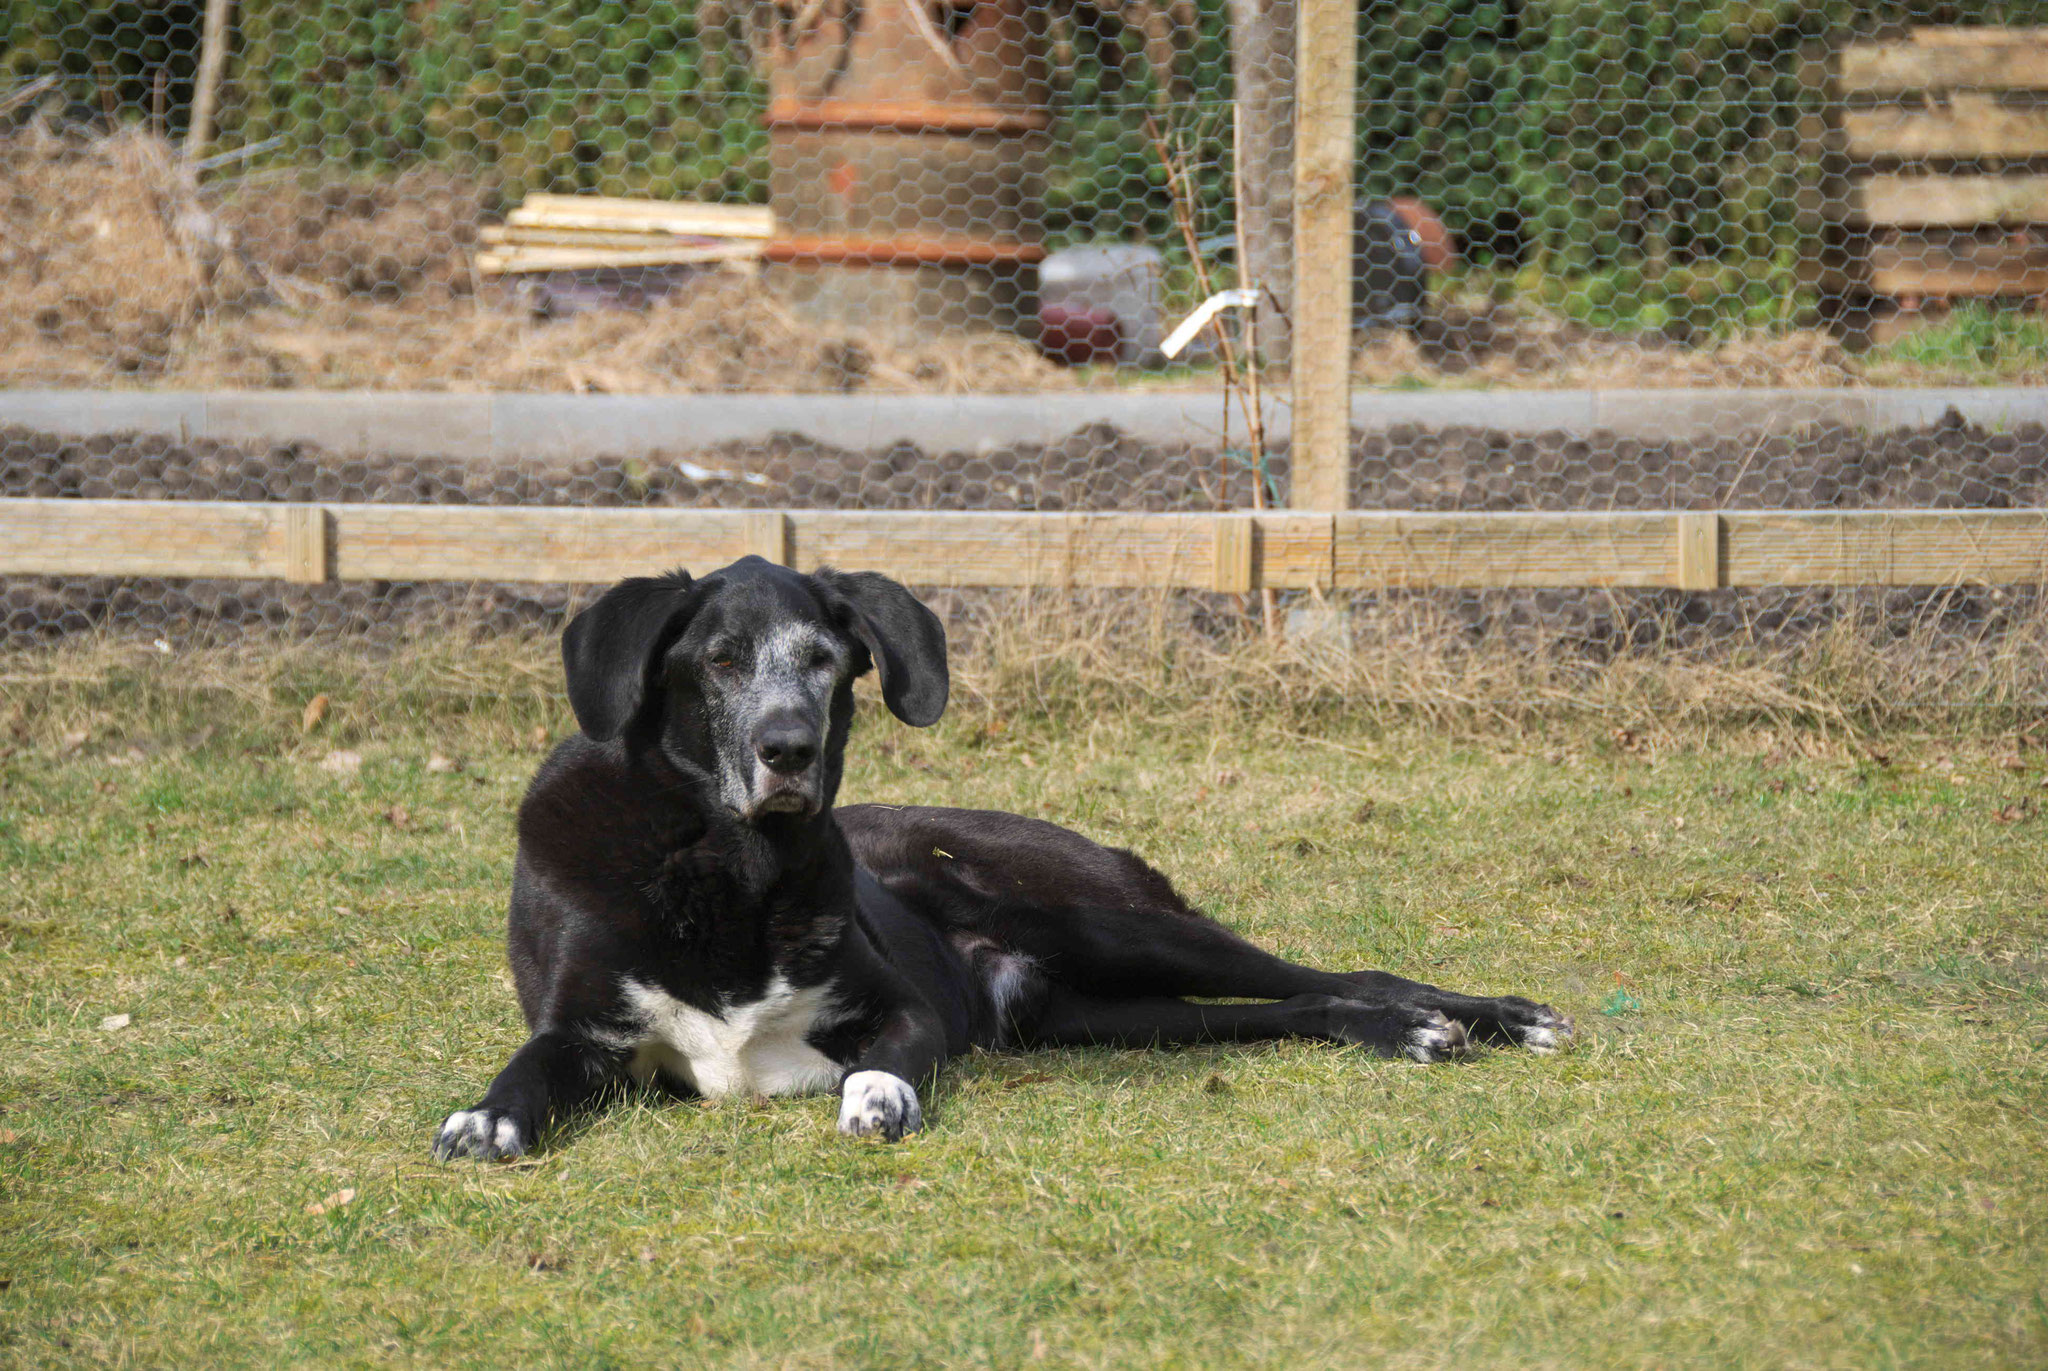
(1326, 41)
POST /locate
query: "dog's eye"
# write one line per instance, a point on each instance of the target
(820, 660)
(721, 661)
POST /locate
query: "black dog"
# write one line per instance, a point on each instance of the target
(689, 909)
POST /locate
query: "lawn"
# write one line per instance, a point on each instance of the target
(1803, 1125)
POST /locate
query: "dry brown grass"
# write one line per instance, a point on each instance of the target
(1501, 345)
(132, 271)
(1169, 657)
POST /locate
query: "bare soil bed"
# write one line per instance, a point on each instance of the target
(1947, 465)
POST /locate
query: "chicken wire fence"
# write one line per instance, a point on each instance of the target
(949, 196)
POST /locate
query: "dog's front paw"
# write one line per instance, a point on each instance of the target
(489, 1135)
(875, 1102)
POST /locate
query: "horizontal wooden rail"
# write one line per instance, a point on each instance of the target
(1684, 550)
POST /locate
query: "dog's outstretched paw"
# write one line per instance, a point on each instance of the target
(1437, 1038)
(875, 1103)
(489, 1135)
(1545, 1031)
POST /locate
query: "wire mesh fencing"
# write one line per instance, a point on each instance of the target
(966, 196)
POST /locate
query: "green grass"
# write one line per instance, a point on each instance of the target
(1804, 1125)
(1979, 343)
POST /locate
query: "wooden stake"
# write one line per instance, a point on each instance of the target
(213, 58)
(1326, 37)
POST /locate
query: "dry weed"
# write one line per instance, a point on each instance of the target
(130, 270)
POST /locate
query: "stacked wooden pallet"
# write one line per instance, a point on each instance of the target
(1938, 166)
(578, 232)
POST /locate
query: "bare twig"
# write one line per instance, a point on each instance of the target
(213, 58)
(1255, 413)
(931, 35)
(26, 92)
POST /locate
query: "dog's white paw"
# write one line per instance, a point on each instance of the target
(1435, 1038)
(1549, 1031)
(875, 1102)
(487, 1134)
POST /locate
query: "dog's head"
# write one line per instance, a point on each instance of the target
(746, 675)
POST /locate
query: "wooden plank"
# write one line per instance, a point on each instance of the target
(1969, 125)
(738, 218)
(1231, 547)
(1431, 551)
(1911, 264)
(1345, 551)
(767, 534)
(1976, 35)
(509, 235)
(1294, 551)
(512, 260)
(56, 537)
(306, 529)
(1886, 547)
(1949, 201)
(953, 548)
(1889, 68)
(598, 212)
(1699, 551)
(1326, 36)
(550, 544)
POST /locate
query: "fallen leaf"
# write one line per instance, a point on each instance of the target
(439, 764)
(316, 710)
(7, 1135)
(546, 1261)
(397, 817)
(342, 762)
(114, 1021)
(74, 741)
(334, 1201)
(540, 735)
(2014, 813)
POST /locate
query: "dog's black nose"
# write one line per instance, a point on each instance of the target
(787, 748)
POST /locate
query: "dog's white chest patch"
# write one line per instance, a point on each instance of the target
(753, 1049)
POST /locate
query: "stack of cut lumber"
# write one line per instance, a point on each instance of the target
(1938, 170)
(578, 232)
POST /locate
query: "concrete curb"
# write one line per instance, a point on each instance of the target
(563, 427)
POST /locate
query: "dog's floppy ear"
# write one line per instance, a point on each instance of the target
(611, 650)
(906, 640)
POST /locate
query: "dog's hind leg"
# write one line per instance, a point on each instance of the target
(1496, 1019)
(553, 1073)
(1070, 1019)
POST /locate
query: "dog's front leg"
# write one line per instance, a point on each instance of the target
(555, 1072)
(878, 1097)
